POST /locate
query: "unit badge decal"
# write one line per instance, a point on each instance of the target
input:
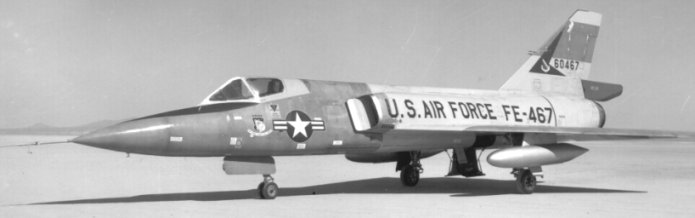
(259, 128)
(299, 126)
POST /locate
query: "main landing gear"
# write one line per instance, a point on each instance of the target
(525, 181)
(268, 189)
(410, 168)
(525, 178)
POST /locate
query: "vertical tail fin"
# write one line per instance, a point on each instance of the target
(563, 61)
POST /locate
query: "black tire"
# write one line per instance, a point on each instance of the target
(525, 182)
(410, 176)
(260, 189)
(269, 190)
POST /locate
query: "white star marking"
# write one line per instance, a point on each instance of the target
(299, 126)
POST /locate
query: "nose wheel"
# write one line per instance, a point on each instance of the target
(268, 189)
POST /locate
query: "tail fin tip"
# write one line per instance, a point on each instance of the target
(563, 61)
(586, 17)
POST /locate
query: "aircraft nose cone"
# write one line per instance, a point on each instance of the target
(141, 136)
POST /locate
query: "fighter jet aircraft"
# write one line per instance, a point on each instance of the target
(531, 119)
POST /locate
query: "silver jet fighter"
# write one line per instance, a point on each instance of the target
(530, 119)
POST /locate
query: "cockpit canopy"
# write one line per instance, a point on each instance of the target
(237, 89)
(253, 90)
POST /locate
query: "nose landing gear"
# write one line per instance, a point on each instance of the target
(268, 189)
(264, 165)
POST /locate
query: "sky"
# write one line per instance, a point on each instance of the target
(67, 63)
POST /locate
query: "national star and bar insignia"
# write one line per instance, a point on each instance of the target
(299, 126)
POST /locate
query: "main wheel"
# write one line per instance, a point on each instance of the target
(268, 190)
(410, 176)
(260, 189)
(525, 182)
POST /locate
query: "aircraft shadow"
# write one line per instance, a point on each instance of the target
(458, 187)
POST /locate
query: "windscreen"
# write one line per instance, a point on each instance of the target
(235, 90)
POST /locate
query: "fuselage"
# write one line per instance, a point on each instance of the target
(313, 117)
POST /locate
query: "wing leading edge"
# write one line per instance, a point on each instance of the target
(584, 134)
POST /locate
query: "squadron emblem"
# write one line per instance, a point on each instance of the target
(259, 128)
